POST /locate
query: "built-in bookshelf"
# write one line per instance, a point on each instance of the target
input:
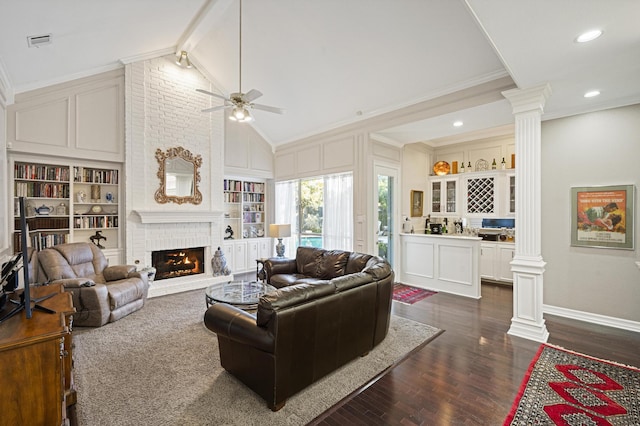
(244, 208)
(67, 203)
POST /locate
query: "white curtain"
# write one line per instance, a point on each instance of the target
(337, 227)
(286, 211)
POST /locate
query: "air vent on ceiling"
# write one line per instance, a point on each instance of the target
(39, 40)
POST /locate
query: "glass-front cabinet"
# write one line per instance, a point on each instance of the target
(512, 193)
(444, 200)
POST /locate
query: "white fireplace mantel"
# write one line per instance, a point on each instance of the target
(164, 216)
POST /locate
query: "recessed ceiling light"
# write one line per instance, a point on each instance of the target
(592, 93)
(588, 36)
(458, 123)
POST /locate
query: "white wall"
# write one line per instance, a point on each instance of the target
(416, 161)
(600, 148)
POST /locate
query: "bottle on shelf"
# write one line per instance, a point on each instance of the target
(462, 167)
(494, 165)
(469, 169)
(503, 165)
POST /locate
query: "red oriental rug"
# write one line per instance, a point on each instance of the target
(563, 387)
(410, 295)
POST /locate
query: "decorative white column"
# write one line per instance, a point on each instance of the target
(527, 265)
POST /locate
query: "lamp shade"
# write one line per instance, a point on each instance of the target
(280, 230)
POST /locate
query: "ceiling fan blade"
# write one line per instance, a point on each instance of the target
(217, 108)
(268, 108)
(251, 95)
(206, 92)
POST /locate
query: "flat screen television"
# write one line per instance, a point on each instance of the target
(13, 266)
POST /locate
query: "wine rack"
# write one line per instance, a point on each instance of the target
(481, 195)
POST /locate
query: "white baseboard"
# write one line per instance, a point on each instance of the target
(592, 318)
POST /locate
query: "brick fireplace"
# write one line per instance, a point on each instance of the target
(177, 263)
(162, 111)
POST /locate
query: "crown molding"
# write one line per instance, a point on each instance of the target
(149, 55)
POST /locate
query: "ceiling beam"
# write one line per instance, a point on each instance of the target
(207, 18)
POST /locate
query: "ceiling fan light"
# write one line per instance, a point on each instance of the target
(240, 114)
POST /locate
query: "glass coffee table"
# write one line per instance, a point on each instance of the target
(242, 294)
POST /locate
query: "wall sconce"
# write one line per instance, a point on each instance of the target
(280, 232)
(183, 61)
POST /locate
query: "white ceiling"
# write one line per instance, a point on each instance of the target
(334, 62)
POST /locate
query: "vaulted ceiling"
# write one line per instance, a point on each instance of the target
(335, 62)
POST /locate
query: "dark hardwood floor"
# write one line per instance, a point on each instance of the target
(470, 374)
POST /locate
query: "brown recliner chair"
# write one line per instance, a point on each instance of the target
(101, 293)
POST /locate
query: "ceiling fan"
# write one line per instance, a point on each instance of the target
(241, 103)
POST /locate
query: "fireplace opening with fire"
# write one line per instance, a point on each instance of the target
(178, 262)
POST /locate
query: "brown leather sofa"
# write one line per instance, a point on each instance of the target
(331, 307)
(100, 293)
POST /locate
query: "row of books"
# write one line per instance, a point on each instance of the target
(41, 189)
(231, 197)
(80, 174)
(88, 222)
(232, 185)
(41, 172)
(40, 240)
(253, 187)
(253, 198)
(252, 217)
(237, 185)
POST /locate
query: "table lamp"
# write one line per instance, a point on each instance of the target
(280, 231)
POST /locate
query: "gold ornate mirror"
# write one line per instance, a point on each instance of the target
(179, 174)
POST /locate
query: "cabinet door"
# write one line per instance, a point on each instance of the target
(487, 261)
(504, 259)
(436, 197)
(450, 191)
(229, 253)
(512, 194)
(252, 252)
(240, 256)
(265, 248)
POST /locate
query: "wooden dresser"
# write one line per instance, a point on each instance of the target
(36, 363)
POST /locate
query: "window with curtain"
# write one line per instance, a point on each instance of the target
(319, 209)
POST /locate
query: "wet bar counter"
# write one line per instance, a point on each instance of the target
(447, 263)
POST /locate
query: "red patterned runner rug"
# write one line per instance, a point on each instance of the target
(410, 295)
(563, 387)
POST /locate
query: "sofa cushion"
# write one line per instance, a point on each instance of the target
(125, 291)
(307, 259)
(333, 263)
(346, 282)
(290, 296)
(284, 280)
(377, 268)
(357, 262)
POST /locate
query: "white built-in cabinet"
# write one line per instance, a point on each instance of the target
(476, 194)
(245, 212)
(68, 202)
(444, 196)
(241, 255)
(495, 261)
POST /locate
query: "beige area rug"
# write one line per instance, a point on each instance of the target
(160, 366)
